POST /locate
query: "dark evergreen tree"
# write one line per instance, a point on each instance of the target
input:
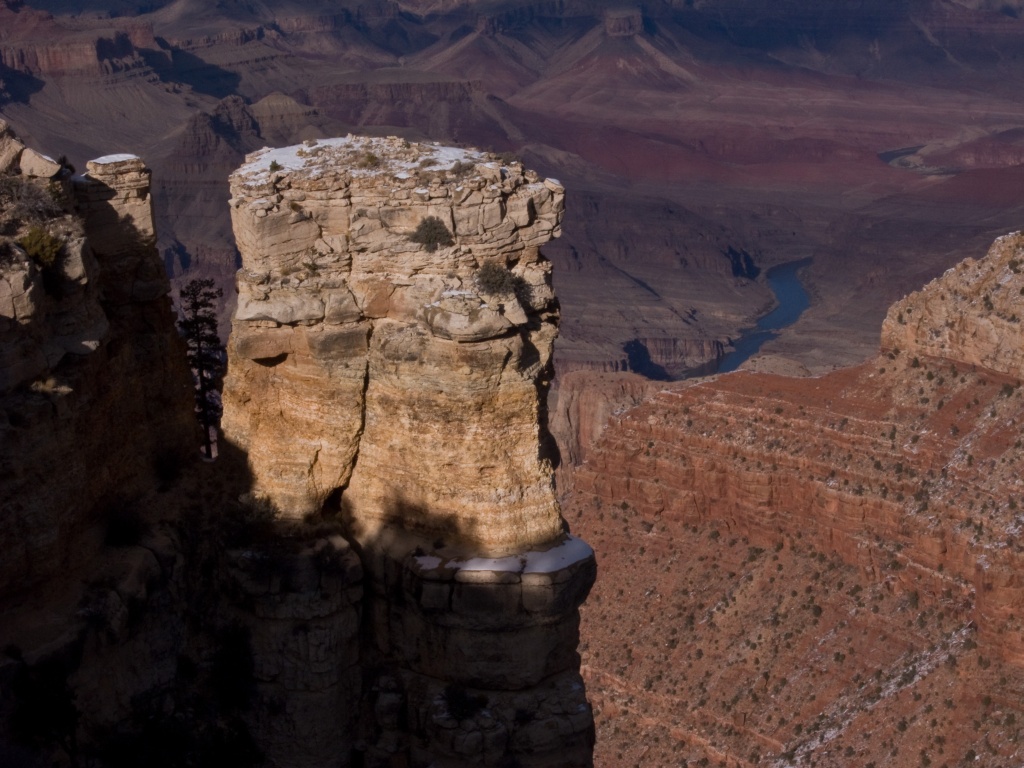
(198, 324)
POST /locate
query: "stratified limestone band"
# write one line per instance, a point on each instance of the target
(369, 353)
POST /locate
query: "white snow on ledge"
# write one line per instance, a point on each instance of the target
(571, 551)
(399, 160)
(107, 159)
(567, 553)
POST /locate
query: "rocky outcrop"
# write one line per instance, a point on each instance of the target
(138, 597)
(94, 393)
(389, 363)
(585, 402)
(971, 314)
(36, 44)
(625, 22)
(114, 199)
(338, 305)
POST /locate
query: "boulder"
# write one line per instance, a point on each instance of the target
(35, 164)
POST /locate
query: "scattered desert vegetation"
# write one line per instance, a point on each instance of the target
(810, 606)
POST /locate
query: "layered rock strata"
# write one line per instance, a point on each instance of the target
(905, 471)
(906, 447)
(366, 342)
(94, 392)
(389, 364)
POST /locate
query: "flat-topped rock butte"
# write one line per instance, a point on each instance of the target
(365, 362)
(389, 363)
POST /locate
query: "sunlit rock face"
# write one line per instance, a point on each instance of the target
(366, 361)
(389, 363)
(969, 314)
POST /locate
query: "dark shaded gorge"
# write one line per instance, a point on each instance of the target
(792, 300)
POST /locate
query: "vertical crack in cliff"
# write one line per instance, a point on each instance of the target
(358, 438)
(363, 395)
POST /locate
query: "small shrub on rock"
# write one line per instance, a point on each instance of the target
(498, 280)
(42, 247)
(431, 233)
(23, 202)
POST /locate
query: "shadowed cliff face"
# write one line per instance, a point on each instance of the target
(844, 550)
(93, 386)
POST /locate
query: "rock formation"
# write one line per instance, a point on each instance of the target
(388, 364)
(613, 99)
(823, 512)
(148, 613)
(365, 342)
(970, 314)
(93, 389)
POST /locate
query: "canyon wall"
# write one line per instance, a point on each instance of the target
(665, 189)
(417, 605)
(902, 449)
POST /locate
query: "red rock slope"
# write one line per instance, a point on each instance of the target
(824, 570)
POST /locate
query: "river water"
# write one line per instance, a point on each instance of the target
(792, 299)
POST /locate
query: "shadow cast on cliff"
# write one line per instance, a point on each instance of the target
(404, 522)
(17, 87)
(179, 67)
(232, 573)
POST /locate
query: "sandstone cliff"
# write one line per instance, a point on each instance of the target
(804, 521)
(352, 339)
(388, 365)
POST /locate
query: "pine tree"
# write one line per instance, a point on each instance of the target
(198, 324)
